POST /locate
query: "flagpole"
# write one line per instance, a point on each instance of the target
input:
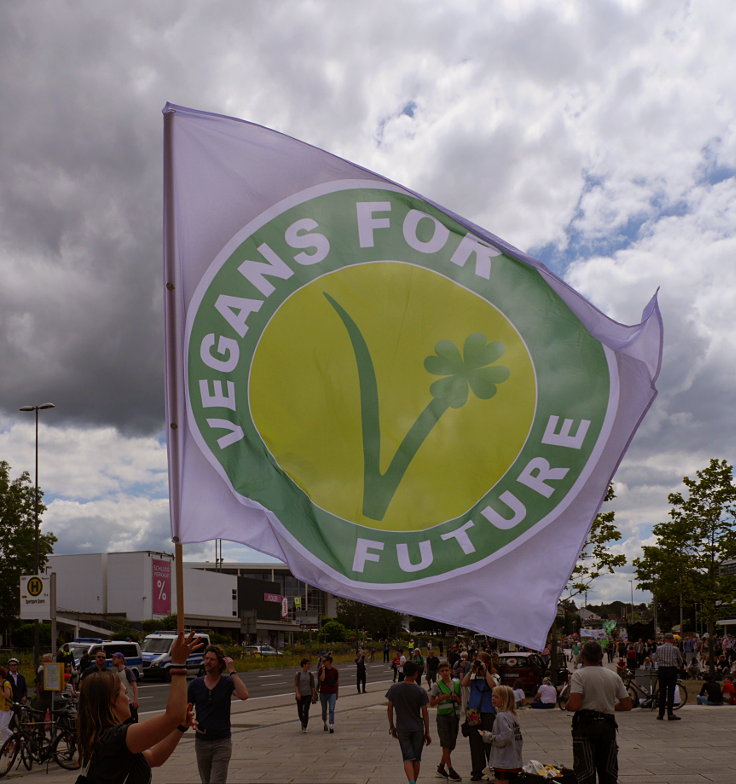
(179, 569)
(173, 406)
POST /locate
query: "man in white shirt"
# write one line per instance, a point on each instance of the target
(595, 694)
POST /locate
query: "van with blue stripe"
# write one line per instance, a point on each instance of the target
(156, 654)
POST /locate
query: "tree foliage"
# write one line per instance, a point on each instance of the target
(375, 621)
(17, 537)
(596, 557)
(686, 564)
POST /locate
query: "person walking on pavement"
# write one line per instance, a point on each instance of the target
(328, 677)
(129, 681)
(445, 695)
(669, 662)
(595, 694)
(409, 701)
(211, 696)
(386, 652)
(361, 672)
(305, 690)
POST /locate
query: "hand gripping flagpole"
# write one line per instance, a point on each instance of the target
(173, 408)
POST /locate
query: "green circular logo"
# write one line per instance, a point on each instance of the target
(405, 399)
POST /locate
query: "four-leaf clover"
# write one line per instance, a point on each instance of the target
(469, 369)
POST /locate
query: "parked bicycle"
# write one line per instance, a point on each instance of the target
(648, 696)
(641, 696)
(40, 741)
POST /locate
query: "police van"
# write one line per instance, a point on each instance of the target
(156, 653)
(80, 646)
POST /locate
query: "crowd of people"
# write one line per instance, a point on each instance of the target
(461, 684)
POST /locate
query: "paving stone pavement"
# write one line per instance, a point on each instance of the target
(269, 748)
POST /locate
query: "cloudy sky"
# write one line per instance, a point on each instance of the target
(599, 137)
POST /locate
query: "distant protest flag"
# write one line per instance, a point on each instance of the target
(401, 406)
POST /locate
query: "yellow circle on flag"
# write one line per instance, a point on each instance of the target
(305, 393)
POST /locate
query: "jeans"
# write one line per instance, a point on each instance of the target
(328, 701)
(213, 759)
(667, 681)
(302, 708)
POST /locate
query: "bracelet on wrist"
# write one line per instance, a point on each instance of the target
(177, 671)
(234, 672)
(182, 728)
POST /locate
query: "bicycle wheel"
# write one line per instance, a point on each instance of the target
(683, 695)
(66, 751)
(563, 696)
(635, 697)
(26, 752)
(8, 753)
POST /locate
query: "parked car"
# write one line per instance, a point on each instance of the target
(261, 650)
(525, 666)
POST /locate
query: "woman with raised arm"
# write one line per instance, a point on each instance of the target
(114, 751)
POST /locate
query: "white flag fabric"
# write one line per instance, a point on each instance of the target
(393, 401)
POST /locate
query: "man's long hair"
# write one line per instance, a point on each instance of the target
(97, 694)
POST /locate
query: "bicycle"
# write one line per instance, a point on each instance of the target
(640, 696)
(649, 698)
(30, 742)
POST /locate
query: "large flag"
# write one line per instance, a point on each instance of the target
(398, 404)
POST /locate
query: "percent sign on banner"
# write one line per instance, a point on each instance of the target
(161, 594)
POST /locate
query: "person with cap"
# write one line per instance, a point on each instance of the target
(129, 681)
(595, 694)
(669, 662)
(17, 681)
(211, 696)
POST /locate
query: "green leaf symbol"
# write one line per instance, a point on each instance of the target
(471, 370)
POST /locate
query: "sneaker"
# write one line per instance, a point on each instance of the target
(332, 728)
(672, 717)
(453, 775)
(441, 772)
(304, 729)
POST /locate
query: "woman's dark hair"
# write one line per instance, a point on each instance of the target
(94, 713)
(303, 662)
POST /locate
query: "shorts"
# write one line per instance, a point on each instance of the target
(447, 729)
(412, 743)
(506, 774)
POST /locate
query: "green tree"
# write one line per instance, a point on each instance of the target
(17, 538)
(333, 631)
(686, 564)
(375, 621)
(596, 557)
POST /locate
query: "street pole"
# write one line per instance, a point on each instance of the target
(37, 547)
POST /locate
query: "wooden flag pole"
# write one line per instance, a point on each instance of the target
(179, 559)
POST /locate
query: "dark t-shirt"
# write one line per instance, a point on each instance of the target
(432, 663)
(113, 763)
(329, 684)
(712, 690)
(408, 699)
(212, 707)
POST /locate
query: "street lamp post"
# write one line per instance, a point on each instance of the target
(37, 548)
